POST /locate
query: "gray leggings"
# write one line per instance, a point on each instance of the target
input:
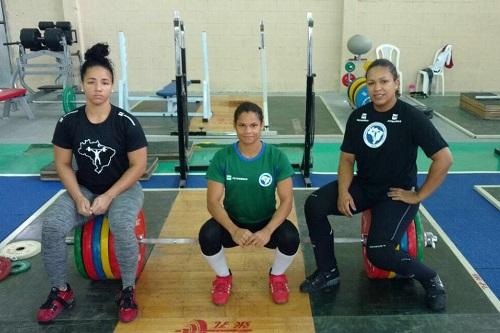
(62, 216)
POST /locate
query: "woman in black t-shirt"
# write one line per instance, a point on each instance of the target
(110, 150)
(381, 139)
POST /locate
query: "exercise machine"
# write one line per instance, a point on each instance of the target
(55, 44)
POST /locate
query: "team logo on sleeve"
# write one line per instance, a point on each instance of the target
(375, 135)
(265, 179)
(99, 154)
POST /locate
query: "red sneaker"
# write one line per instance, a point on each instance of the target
(56, 302)
(221, 288)
(278, 284)
(128, 307)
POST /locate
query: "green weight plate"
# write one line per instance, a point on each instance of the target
(68, 99)
(420, 237)
(78, 252)
(350, 66)
(20, 266)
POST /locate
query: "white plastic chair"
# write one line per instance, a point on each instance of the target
(438, 73)
(391, 53)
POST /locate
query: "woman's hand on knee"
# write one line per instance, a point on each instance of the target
(241, 236)
(83, 206)
(101, 204)
(345, 204)
(260, 238)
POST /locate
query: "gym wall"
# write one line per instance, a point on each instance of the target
(418, 28)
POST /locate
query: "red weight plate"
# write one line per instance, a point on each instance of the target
(113, 262)
(372, 271)
(5, 267)
(412, 240)
(88, 263)
(140, 233)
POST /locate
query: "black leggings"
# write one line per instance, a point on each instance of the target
(390, 219)
(214, 236)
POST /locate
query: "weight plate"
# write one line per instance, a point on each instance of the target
(352, 88)
(412, 240)
(419, 229)
(87, 250)
(5, 267)
(20, 266)
(96, 247)
(361, 96)
(403, 244)
(69, 99)
(113, 262)
(347, 78)
(106, 267)
(350, 66)
(21, 250)
(77, 244)
(140, 233)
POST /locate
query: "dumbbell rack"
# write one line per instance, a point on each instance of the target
(55, 44)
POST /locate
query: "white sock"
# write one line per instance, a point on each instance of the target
(218, 263)
(281, 262)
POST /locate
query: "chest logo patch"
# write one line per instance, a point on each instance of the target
(375, 134)
(265, 179)
(99, 154)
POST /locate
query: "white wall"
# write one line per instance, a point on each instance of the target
(418, 28)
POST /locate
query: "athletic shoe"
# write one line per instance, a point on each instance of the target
(435, 296)
(57, 301)
(320, 280)
(221, 288)
(278, 285)
(128, 307)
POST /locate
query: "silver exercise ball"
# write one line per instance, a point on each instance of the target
(359, 44)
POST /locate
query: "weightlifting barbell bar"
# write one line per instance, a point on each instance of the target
(430, 240)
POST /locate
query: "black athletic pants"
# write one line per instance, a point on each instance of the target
(390, 219)
(213, 236)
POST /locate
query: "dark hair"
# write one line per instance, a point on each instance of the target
(387, 64)
(97, 55)
(248, 107)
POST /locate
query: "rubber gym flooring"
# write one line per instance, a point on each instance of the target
(447, 107)
(286, 116)
(174, 288)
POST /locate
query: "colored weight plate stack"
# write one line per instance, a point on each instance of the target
(412, 243)
(94, 249)
(357, 93)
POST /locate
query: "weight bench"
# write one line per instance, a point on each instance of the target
(16, 97)
(169, 92)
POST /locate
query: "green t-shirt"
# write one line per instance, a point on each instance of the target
(250, 184)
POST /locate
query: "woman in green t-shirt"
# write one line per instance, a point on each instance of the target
(246, 176)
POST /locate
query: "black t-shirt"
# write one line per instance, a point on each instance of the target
(100, 150)
(386, 143)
